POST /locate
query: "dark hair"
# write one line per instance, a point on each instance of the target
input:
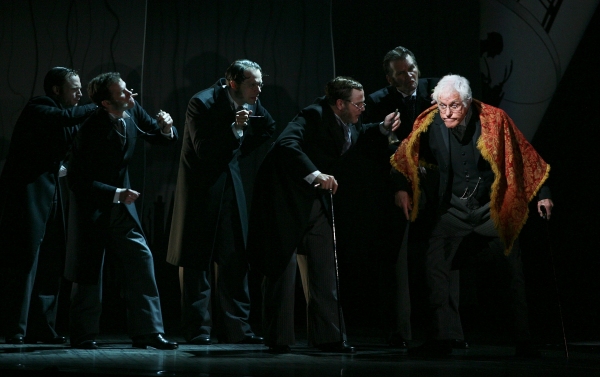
(98, 86)
(341, 88)
(397, 54)
(235, 72)
(57, 76)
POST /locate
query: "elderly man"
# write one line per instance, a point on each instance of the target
(291, 213)
(224, 124)
(103, 220)
(410, 95)
(468, 165)
(31, 209)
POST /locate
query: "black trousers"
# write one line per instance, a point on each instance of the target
(404, 275)
(227, 283)
(458, 222)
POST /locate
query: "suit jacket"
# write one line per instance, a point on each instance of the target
(98, 166)
(376, 171)
(40, 141)
(387, 100)
(283, 199)
(435, 152)
(209, 156)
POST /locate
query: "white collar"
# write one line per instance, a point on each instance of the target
(115, 118)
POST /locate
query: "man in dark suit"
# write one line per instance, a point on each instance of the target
(467, 165)
(31, 210)
(103, 218)
(410, 95)
(224, 123)
(408, 92)
(290, 215)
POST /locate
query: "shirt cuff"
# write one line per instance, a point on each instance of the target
(168, 134)
(237, 133)
(117, 194)
(384, 130)
(312, 176)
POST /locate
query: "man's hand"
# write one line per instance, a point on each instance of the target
(241, 119)
(164, 121)
(392, 121)
(402, 200)
(128, 196)
(326, 182)
(547, 204)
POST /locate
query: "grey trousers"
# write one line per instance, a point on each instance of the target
(127, 246)
(324, 317)
(30, 296)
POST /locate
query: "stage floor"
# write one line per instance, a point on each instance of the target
(116, 357)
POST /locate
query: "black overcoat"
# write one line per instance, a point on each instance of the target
(210, 159)
(39, 144)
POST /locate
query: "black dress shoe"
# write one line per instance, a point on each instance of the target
(432, 348)
(17, 339)
(337, 347)
(459, 344)
(396, 341)
(54, 340)
(280, 349)
(201, 340)
(156, 341)
(88, 344)
(252, 339)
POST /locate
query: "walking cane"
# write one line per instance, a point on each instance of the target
(335, 258)
(562, 322)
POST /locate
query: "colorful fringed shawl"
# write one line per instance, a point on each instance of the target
(518, 169)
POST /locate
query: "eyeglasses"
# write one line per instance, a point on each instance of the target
(361, 106)
(454, 107)
(254, 85)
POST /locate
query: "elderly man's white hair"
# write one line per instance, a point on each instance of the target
(453, 83)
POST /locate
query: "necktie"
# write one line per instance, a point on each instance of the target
(347, 140)
(121, 128)
(409, 104)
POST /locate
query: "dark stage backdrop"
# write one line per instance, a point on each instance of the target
(169, 50)
(166, 51)
(444, 38)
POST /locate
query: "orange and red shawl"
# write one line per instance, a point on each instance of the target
(519, 170)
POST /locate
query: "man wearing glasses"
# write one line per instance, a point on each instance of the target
(468, 166)
(224, 123)
(409, 94)
(292, 214)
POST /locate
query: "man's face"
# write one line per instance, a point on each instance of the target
(249, 90)
(404, 75)
(351, 109)
(70, 93)
(122, 98)
(452, 117)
